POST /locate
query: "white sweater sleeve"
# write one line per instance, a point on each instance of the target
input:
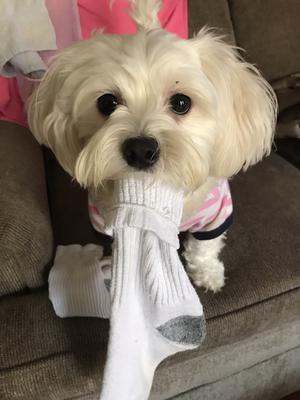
(25, 29)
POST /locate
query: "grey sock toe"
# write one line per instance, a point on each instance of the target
(184, 329)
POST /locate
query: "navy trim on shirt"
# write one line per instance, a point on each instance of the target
(102, 237)
(215, 232)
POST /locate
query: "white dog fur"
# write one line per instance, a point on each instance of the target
(229, 126)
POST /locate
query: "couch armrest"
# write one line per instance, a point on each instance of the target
(26, 242)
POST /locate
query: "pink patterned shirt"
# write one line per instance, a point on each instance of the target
(209, 221)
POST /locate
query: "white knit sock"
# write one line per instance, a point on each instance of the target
(79, 282)
(155, 310)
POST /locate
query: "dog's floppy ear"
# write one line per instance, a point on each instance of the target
(246, 105)
(48, 117)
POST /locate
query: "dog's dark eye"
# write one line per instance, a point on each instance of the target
(107, 104)
(180, 103)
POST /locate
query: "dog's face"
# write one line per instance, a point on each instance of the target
(180, 110)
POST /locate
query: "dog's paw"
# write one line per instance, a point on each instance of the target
(207, 273)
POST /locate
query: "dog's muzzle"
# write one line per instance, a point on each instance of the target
(140, 152)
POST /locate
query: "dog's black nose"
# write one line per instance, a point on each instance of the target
(140, 152)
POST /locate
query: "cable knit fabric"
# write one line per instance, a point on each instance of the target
(145, 291)
(79, 282)
(211, 219)
(152, 299)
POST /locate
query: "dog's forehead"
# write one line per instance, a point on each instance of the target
(154, 52)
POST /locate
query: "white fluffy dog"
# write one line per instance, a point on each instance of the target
(186, 111)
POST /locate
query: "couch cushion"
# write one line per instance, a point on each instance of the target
(262, 255)
(25, 229)
(45, 357)
(214, 14)
(256, 382)
(63, 358)
(289, 149)
(269, 30)
(287, 90)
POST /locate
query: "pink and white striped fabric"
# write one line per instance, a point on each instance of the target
(214, 216)
(210, 220)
